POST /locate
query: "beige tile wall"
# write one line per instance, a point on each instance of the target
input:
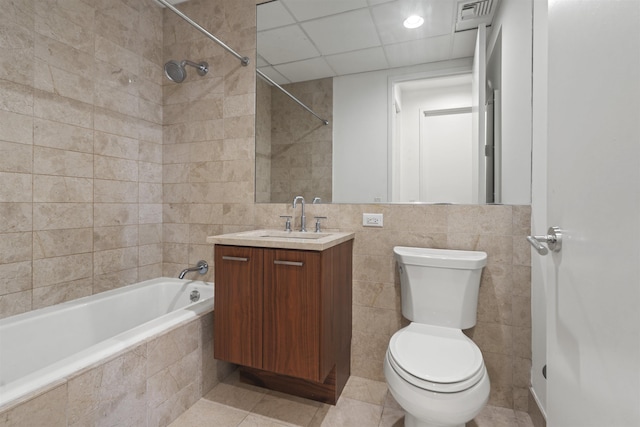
(97, 193)
(263, 141)
(80, 138)
(301, 145)
(208, 172)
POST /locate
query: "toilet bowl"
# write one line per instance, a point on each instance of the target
(434, 371)
(437, 375)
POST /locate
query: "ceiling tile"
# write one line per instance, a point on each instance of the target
(359, 61)
(343, 33)
(358, 35)
(311, 69)
(305, 10)
(438, 19)
(285, 44)
(273, 15)
(419, 51)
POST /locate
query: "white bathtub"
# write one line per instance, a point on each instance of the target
(44, 346)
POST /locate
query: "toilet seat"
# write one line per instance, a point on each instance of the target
(436, 358)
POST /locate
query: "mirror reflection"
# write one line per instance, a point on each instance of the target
(400, 103)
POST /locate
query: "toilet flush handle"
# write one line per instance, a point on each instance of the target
(553, 239)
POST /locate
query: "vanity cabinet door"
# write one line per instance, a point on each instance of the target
(292, 312)
(238, 305)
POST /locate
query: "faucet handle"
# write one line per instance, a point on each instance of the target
(318, 218)
(287, 224)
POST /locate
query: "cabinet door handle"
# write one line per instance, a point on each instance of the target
(234, 258)
(294, 263)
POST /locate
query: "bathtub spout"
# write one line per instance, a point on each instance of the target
(202, 267)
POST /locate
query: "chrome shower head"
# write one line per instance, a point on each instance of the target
(176, 72)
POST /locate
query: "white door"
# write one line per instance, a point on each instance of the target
(445, 156)
(594, 196)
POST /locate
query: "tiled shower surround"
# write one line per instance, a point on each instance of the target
(81, 149)
(300, 145)
(111, 175)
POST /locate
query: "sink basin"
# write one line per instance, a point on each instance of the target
(292, 235)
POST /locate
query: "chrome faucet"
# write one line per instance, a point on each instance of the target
(303, 219)
(201, 268)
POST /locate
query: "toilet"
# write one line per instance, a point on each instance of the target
(434, 371)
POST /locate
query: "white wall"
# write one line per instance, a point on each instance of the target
(361, 126)
(360, 110)
(514, 22)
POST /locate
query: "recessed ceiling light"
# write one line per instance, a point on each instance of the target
(414, 21)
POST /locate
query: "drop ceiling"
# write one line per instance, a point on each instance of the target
(302, 40)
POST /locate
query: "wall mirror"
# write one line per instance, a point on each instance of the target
(386, 89)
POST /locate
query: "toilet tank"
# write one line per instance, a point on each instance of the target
(440, 286)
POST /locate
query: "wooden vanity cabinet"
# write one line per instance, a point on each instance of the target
(285, 316)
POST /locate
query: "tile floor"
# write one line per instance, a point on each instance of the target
(363, 403)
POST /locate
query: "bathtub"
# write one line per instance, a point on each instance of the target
(43, 347)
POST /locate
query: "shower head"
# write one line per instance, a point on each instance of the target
(176, 72)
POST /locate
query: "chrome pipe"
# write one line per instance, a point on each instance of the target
(202, 267)
(267, 78)
(243, 59)
(201, 68)
(303, 218)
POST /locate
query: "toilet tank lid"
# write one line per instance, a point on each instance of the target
(446, 258)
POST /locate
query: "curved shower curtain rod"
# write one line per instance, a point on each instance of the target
(243, 59)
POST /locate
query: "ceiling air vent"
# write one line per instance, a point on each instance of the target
(471, 13)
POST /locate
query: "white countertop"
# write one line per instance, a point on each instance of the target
(309, 241)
